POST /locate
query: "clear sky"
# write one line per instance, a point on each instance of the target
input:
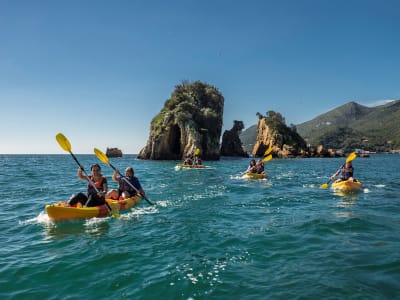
(99, 71)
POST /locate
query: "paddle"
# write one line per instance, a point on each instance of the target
(103, 158)
(349, 158)
(267, 158)
(268, 151)
(66, 145)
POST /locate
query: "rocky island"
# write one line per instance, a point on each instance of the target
(113, 152)
(273, 132)
(191, 119)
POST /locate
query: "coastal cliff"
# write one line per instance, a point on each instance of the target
(273, 132)
(191, 119)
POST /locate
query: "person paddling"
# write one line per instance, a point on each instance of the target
(252, 167)
(129, 185)
(346, 172)
(95, 195)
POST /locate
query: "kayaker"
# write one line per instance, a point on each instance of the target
(252, 167)
(125, 189)
(197, 160)
(260, 167)
(92, 198)
(345, 172)
(188, 161)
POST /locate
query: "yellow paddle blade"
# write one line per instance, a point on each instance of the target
(351, 156)
(268, 151)
(324, 186)
(100, 155)
(63, 142)
(197, 151)
(268, 158)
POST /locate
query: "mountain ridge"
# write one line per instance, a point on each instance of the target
(348, 127)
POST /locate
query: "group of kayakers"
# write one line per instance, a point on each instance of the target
(129, 185)
(192, 161)
(97, 191)
(345, 172)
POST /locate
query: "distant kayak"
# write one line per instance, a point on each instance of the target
(347, 186)
(60, 212)
(189, 166)
(254, 176)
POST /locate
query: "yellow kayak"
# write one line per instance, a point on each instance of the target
(190, 166)
(60, 212)
(347, 186)
(254, 176)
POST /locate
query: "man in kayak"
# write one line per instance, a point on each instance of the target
(188, 161)
(129, 185)
(197, 160)
(260, 167)
(345, 172)
(95, 194)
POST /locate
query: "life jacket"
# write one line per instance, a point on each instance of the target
(346, 173)
(98, 184)
(124, 186)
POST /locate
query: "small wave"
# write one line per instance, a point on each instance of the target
(42, 218)
(136, 212)
(379, 185)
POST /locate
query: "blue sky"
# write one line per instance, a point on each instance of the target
(99, 71)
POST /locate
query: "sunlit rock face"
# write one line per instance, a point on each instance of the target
(284, 141)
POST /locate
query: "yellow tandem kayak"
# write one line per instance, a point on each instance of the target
(180, 166)
(60, 212)
(254, 176)
(347, 186)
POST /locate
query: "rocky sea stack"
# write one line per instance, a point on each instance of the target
(273, 132)
(113, 152)
(191, 119)
(231, 143)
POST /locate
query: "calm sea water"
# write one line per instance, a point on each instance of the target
(210, 234)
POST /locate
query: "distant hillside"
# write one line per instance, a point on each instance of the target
(348, 127)
(248, 138)
(353, 126)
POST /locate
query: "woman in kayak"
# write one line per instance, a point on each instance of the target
(345, 173)
(129, 185)
(252, 167)
(93, 197)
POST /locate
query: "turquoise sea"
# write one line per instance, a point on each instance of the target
(210, 234)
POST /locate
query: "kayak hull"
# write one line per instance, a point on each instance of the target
(60, 212)
(347, 186)
(254, 176)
